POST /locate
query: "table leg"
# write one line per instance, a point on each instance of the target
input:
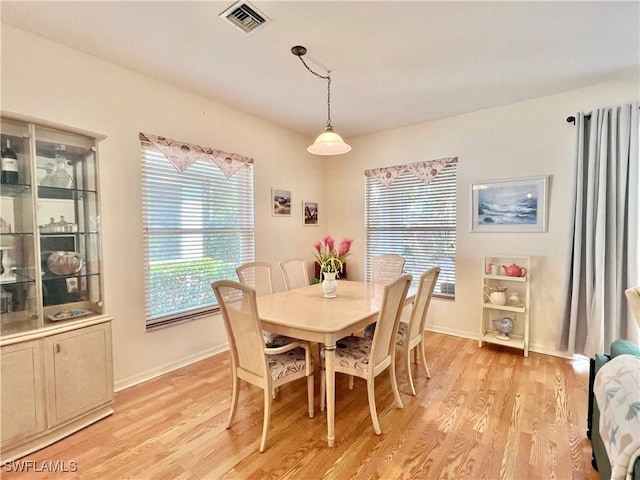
(329, 359)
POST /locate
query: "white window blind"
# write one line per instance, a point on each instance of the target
(417, 221)
(198, 226)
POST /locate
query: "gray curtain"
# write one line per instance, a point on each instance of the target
(603, 259)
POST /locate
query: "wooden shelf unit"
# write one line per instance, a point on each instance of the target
(519, 337)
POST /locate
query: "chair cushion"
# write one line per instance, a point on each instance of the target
(403, 333)
(288, 363)
(353, 352)
(624, 347)
(401, 336)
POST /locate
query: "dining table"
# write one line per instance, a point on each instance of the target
(304, 313)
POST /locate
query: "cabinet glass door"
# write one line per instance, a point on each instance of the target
(68, 223)
(19, 305)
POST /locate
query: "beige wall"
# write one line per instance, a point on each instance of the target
(53, 83)
(523, 139)
(50, 82)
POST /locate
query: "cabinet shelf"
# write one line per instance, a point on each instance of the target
(12, 190)
(66, 234)
(20, 280)
(63, 193)
(505, 278)
(81, 273)
(514, 341)
(506, 308)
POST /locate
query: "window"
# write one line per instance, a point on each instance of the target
(198, 226)
(415, 220)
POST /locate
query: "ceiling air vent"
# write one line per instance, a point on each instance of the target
(245, 17)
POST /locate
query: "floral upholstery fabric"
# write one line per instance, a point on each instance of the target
(617, 391)
(353, 352)
(288, 363)
(401, 336)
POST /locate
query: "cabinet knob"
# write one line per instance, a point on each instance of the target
(57, 348)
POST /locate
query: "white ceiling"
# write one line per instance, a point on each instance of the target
(393, 63)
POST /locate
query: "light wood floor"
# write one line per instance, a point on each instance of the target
(486, 413)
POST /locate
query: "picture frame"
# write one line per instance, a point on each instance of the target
(509, 205)
(309, 214)
(280, 202)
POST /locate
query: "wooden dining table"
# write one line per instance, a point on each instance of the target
(305, 314)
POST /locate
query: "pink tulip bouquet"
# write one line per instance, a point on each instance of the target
(330, 258)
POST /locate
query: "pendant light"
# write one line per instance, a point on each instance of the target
(328, 142)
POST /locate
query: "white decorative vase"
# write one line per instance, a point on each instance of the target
(329, 284)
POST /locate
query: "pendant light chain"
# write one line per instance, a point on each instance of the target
(328, 142)
(328, 79)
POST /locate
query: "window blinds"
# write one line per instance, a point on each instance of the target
(417, 221)
(198, 226)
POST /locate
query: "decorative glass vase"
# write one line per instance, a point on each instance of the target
(60, 178)
(329, 284)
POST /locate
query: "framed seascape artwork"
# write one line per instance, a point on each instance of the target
(309, 213)
(511, 205)
(281, 201)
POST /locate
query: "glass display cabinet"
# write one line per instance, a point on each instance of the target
(56, 366)
(49, 224)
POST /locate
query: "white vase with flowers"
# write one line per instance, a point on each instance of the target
(331, 261)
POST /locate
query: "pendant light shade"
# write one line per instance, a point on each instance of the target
(329, 143)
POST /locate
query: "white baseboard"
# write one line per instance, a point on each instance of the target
(474, 336)
(169, 367)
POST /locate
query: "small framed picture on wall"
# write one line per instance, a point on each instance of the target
(309, 213)
(281, 201)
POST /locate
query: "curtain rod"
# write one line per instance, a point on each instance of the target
(572, 119)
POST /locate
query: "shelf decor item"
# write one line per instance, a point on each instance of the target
(503, 326)
(64, 263)
(495, 295)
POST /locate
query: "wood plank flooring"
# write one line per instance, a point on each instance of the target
(486, 413)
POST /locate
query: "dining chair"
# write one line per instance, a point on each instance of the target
(294, 271)
(257, 275)
(369, 357)
(253, 361)
(410, 335)
(386, 267)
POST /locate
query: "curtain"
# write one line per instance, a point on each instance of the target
(603, 258)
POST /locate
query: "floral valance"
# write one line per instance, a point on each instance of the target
(425, 171)
(182, 155)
